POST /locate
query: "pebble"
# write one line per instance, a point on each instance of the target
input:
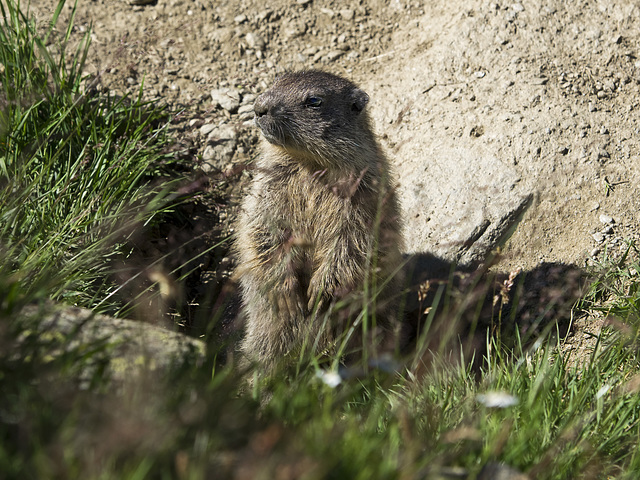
(255, 41)
(221, 146)
(264, 15)
(602, 153)
(295, 28)
(539, 80)
(206, 129)
(598, 237)
(595, 252)
(227, 98)
(249, 99)
(347, 14)
(223, 132)
(328, 11)
(240, 18)
(606, 219)
(334, 55)
(245, 111)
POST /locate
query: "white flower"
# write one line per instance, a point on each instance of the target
(497, 399)
(332, 379)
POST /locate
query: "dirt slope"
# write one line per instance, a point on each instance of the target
(549, 88)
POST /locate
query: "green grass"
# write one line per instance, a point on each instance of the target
(79, 172)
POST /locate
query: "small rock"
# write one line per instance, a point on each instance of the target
(208, 153)
(245, 111)
(227, 98)
(592, 107)
(264, 15)
(542, 80)
(595, 252)
(303, 2)
(347, 14)
(255, 41)
(240, 18)
(223, 132)
(602, 153)
(606, 219)
(221, 146)
(608, 230)
(295, 28)
(333, 55)
(598, 237)
(206, 129)
(328, 11)
(249, 99)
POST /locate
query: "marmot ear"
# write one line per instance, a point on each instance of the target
(359, 100)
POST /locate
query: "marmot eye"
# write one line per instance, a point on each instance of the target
(314, 102)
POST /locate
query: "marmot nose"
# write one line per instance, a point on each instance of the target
(260, 107)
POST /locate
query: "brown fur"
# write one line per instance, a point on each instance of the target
(320, 222)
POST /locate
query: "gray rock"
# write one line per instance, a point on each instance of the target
(221, 146)
(249, 99)
(334, 55)
(606, 219)
(294, 28)
(245, 111)
(207, 128)
(459, 204)
(255, 41)
(347, 14)
(130, 346)
(227, 98)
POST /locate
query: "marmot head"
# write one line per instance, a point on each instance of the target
(317, 116)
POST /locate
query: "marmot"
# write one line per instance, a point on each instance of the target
(319, 231)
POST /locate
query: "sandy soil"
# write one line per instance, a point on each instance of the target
(548, 87)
